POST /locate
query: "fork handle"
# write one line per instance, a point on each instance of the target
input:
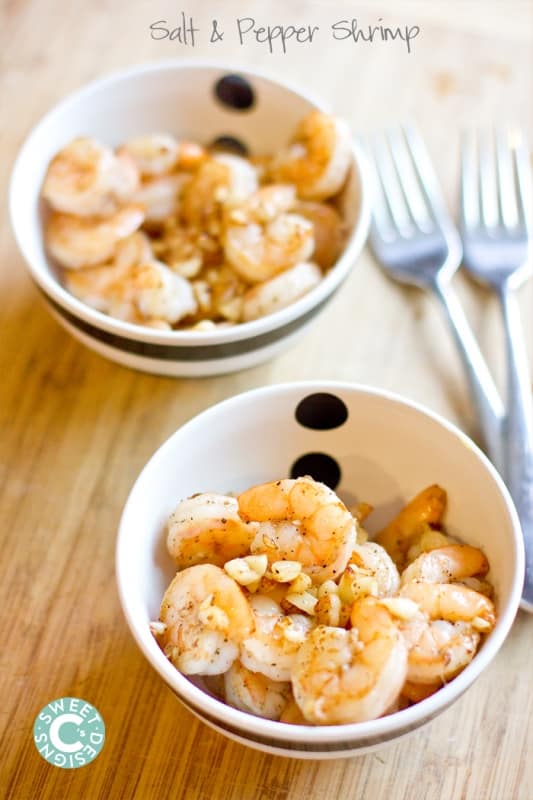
(518, 431)
(482, 387)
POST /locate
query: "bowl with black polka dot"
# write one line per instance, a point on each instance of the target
(240, 111)
(369, 446)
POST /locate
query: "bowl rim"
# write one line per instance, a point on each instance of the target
(245, 330)
(393, 724)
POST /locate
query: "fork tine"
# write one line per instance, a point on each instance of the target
(488, 187)
(403, 163)
(426, 175)
(522, 166)
(506, 180)
(390, 185)
(383, 225)
(469, 203)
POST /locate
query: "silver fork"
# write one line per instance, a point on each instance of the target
(413, 237)
(495, 226)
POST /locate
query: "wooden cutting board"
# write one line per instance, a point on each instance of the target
(75, 429)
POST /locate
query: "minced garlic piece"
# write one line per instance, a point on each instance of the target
(248, 570)
(304, 601)
(285, 571)
(328, 610)
(356, 582)
(328, 587)
(157, 628)
(402, 607)
(301, 583)
(481, 625)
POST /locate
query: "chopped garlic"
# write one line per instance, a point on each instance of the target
(362, 535)
(301, 583)
(304, 601)
(157, 627)
(356, 582)
(285, 571)
(402, 607)
(328, 587)
(202, 294)
(258, 563)
(429, 540)
(204, 325)
(328, 610)
(481, 625)
(188, 268)
(231, 309)
(246, 570)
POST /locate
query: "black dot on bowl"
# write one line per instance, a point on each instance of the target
(229, 144)
(235, 92)
(321, 411)
(319, 466)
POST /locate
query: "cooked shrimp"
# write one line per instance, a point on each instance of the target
(438, 650)
(152, 294)
(105, 286)
(262, 238)
(415, 692)
(342, 676)
(240, 181)
(478, 585)
(154, 154)
(292, 714)
(85, 178)
(258, 252)
(125, 179)
(78, 242)
(428, 539)
(318, 159)
(157, 154)
(301, 520)
(205, 614)
(179, 247)
(161, 294)
(328, 229)
(443, 638)
(255, 693)
(138, 293)
(226, 291)
(208, 527)
(373, 560)
(453, 602)
(191, 155)
(445, 564)
(280, 291)
(100, 287)
(272, 647)
(361, 511)
(427, 508)
(133, 250)
(160, 196)
(265, 204)
(222, 179)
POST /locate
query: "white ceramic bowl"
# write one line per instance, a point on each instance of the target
(386, 450)
(182, 99)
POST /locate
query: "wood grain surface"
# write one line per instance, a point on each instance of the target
(76, 429)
